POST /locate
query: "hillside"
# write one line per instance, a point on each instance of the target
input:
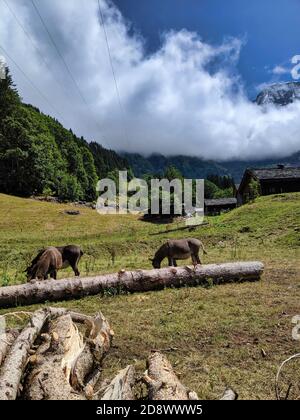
(40, 156)
(214, 336)
(27, 225)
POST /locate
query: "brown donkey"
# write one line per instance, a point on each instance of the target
(48, 263)
(71, 255)
(178, 249)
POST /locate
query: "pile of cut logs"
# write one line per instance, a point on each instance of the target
(58, 355)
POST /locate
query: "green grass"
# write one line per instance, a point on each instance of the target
(214, 336)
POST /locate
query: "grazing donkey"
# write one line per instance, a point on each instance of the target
(48, 263)
(179, 249)
(70, 254)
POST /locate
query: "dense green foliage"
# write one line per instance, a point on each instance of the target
(38, 156)
(106, 160)
(254, 189)
(224, 186)
(191, 167)
(196, 167)
(223, 182)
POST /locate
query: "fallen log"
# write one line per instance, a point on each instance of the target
(121, 387)
(129, 281)
(14, 364)
(162, 382)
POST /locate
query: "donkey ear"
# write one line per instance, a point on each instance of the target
(151, 259)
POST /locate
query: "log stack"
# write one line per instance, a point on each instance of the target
(58, 355)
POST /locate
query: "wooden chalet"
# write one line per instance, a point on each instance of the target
(277, 180)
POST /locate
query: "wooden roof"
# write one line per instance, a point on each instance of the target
(276, 173)
(220, 202)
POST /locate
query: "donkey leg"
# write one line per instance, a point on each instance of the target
(194, 259)
(198, 260)
(174, 262)
(75, 267)
(170, 261)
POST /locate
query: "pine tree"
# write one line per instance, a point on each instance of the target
(9, 97)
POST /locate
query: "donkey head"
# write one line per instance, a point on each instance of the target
(155, 262)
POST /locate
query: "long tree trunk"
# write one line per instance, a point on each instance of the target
(131, 281)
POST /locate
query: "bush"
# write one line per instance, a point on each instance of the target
(254, 190)
(69, 188)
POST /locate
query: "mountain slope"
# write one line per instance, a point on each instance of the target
(189, 166)
(194, 167)
(279, 94)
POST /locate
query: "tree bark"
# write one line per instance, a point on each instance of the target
(121, 387)
(61, 369)
(14, 364)
(162, 382)
(6, 341)
(51, 367)
(63, 362)
(130, 281)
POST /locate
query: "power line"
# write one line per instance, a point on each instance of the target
(33, 43)
(31, 82)
(58, 52)
(112, 68)
(65, 63)
(109, 54)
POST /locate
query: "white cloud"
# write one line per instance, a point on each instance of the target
(185, 98)
(279, 70)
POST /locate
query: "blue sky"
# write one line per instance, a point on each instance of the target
(271, 29)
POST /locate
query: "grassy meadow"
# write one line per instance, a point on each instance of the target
(235, 334)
